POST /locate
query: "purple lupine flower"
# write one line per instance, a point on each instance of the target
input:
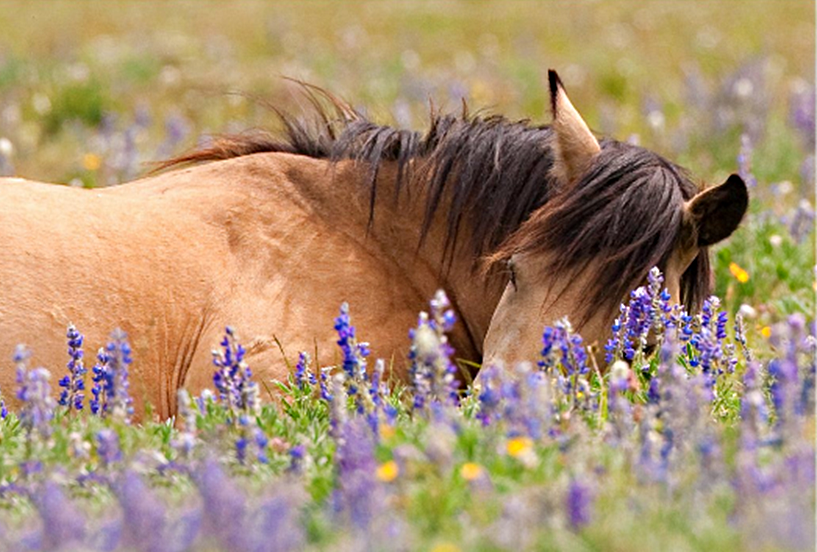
(619, 408)
(302, 373)
(337, 404)
(186, 440)
(354, 353)
(802, 222)
(432, 370)
(489, 395)
(660, 297)
(99, 402)
(73, 384)
(107, 447)
(528, 406)
(296, 458)
(279, 514)
(224, 506)
(251, 435)
(578, 503)
(176, 129)
(324, 384)
(144, 514)
(358, 494)
(233, 378)
(807, 170)
(740, 338)
(561, 346)
(801, 114)
(116, 385)
(745, 161)
(564, 358)
(617, 344)
(708, 342)
(354, 361)
(648, 310)
(35, 393)
(377, 391)
(63, 523)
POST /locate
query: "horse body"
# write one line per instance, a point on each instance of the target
(272, 235)
(270, 244)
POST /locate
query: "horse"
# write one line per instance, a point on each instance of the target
(521, 224)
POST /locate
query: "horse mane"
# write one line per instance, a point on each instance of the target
(494, 175)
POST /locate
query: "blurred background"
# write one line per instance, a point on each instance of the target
(92, 91)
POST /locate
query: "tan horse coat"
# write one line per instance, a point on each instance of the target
(270, 244)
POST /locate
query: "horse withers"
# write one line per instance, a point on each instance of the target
(274, 233)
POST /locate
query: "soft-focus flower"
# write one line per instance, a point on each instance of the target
(186, 439)
(91, 162)
(471, 471)
(34, 391)
(63, 523)
(225, 506)
(358, 495)
(386, 432)
(740, 274)
(144, 514)
(518, 446)
(387, 471)
(578, 503)
(445, 547)
(107, 447)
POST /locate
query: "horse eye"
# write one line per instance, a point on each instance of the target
(512, 273)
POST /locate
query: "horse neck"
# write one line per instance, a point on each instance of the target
(340, 194)
(397, 220)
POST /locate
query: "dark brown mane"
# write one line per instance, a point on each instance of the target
(494, 176)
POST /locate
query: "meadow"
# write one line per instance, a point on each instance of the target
(708, 444)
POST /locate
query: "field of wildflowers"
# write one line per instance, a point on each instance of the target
(706, 444)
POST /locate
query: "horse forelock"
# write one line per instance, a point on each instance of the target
(621, 218)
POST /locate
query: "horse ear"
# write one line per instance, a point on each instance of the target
(575, 145)
(717, 212)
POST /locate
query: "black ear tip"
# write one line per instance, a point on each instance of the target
(554, 81)
(555, 84)
(738, 185)
(736, 180)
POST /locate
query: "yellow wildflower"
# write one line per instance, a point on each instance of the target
(470, 471)
(445, 547)
(387, 471)
(766, 332)
(386, 432)
(519, 446)
(741, 275)
(91, 161)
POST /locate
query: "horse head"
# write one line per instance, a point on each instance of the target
(617, 210)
